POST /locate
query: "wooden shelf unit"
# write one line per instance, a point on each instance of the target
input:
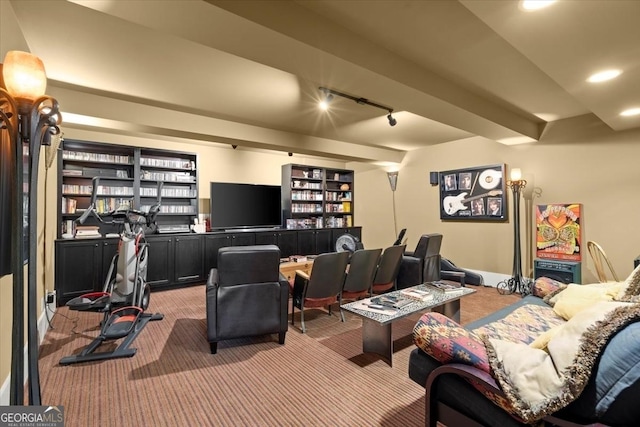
(316, 197)
(129, 175)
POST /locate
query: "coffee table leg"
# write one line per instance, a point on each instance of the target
(377, 338)
(450, 309)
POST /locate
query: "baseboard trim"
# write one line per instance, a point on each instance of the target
(43, 327)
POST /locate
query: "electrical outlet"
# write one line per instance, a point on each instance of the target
(50, 297)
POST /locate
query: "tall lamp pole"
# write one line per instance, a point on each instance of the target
(30, 118)
(393, 182)
(516, 283)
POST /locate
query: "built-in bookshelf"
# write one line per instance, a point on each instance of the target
(129, 176)
(315, 197)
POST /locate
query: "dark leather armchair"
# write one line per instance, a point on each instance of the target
(423, 264)
(246, 295)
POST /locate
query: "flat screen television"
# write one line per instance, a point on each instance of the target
(245, 205)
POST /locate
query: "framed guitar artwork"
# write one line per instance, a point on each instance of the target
(474, 194)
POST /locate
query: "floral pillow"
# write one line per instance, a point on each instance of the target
(448, 342)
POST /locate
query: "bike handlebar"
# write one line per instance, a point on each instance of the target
(150, 216)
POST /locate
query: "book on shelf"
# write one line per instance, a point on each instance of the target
(86, 231)
(448, 288)
(418, 294)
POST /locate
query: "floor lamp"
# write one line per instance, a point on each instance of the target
(30, 118)
(516, 283)
(393, 182)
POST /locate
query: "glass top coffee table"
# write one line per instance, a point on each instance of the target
(377, 335)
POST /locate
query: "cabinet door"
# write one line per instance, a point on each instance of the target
(109, 249)
(161, 256)
(188, 259)
(267, 238)
(243, 239)
(78, 264)
(213, 242)
(324, 242)
(288, 243)
(307, 242)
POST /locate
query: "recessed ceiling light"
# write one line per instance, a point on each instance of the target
(603, 76)
(536, 4)
(630, 112)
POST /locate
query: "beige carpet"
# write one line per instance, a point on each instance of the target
(318, 378)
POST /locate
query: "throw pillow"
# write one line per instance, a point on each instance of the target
(630, 290)
(543, 286)
(576, 298)
(448, 342)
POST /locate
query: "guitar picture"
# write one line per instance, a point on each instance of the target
(453, 204)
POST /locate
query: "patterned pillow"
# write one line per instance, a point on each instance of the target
(543, 286)
(448, 342)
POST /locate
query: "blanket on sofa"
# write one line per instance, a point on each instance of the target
(539, 382)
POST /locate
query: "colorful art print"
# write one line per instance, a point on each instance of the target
(476, 194)
(558, 232)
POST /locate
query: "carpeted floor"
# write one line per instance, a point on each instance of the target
(318, 378)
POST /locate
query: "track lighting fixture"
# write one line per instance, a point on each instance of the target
(290, 154)
(234, 146)
(329, 94)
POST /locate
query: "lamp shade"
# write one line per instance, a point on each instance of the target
(516, 174)
(24, 76)
(393, 180)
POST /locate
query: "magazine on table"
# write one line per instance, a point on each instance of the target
(418, 294)
(448, 288)
(390, 301)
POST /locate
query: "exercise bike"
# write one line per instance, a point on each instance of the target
(126, 293)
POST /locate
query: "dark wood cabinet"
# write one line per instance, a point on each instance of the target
(215, 241)
(315, 241)
(176, 259)
(78, 268)
(286, 240)
(160, 265)
(188, 259)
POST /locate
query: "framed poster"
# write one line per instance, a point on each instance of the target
(473, 194)
(558, 231)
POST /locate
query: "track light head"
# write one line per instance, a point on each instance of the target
(328, 97)
(330, 93)
(234, 146)
(290, 154)
(392, 121)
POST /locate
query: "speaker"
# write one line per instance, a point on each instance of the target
(562, 271)
(434, 178)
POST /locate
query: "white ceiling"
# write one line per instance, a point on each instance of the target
(248, 72)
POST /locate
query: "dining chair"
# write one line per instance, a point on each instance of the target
(599, 259)
(360, 275)
(388, 268)
(322, 287)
